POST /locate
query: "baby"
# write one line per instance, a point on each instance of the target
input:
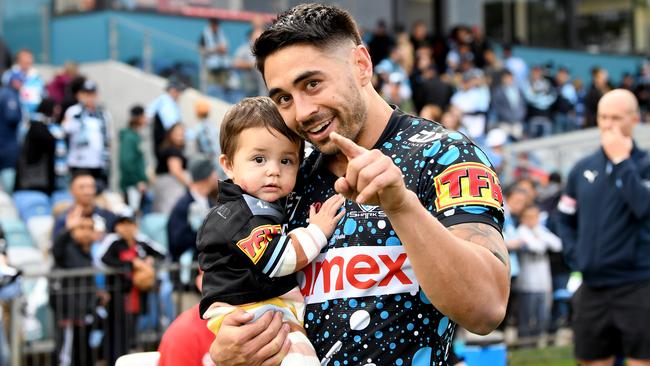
(248, 261)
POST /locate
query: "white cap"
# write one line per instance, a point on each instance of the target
(496, 137)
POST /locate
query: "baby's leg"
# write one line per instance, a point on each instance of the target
(301, 352)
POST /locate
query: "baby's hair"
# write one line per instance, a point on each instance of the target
(251, 113)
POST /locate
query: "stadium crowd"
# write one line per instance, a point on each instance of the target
(55, 147)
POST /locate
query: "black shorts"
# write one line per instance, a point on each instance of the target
(612, 321)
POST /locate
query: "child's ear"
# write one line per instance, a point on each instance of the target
(226, 165)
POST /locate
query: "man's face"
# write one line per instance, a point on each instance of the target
(83, 190)
(89, 99)
(319, 91)
(616, 111)
(25, 60)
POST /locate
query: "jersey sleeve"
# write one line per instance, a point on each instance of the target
(274, 254)
(458, 184)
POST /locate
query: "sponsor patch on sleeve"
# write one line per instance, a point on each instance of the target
(468, 184)
(256, 243)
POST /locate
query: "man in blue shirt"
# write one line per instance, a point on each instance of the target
(604, 222)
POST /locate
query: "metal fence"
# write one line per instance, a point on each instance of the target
(91, 317)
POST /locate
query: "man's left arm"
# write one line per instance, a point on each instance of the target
(464, 272)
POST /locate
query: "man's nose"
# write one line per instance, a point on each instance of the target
(305, 108)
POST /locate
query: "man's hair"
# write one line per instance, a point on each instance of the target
(318, 25)
(80, 173)
(251, 113)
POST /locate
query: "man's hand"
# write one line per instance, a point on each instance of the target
(263, 342)
(616, 145)
(74, 218)
(371, 177)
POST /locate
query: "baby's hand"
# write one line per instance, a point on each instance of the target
(328, 215)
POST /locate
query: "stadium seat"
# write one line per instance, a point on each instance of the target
(32, 203)
(40, 227)
(154, 225)
(61, 197)
(7, 207)
(139, 359)
(7, 179)
(27, 259)
(16, 233)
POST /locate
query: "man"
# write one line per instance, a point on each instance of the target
(604, 222)
(87, 126)
(165, 112)
(83, 190)
(33, 87)
(188, 213)
(10, 117)
(213, 46)
(364, 293)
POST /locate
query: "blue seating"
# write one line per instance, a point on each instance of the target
(16, 233)
(61, 196)
(32, 203)
(154, 225)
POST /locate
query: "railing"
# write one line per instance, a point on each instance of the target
(92, 306)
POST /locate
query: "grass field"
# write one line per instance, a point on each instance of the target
(551, 356)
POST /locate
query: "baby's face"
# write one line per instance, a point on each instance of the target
(265, 164)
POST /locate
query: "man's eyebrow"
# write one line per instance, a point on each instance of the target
(305, 75)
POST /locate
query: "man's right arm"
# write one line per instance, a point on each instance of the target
(263, 342)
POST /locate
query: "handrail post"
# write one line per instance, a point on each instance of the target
(112, 38)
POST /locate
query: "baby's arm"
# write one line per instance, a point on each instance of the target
(304, 244)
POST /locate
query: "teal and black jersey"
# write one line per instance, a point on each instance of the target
(364, 303)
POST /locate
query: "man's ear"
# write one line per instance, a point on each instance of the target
(226, 165)
(363, 63)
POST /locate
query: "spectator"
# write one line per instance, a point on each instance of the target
(71, 95)
(133, 176)
(84, 193)
(207, 135)
(429, 87)
(10, 288)
(133, 255)
(628, 82)
(495, 140)
(214, 49)
(540, 96)
(33, 88)
(394, 81)
(534, 283)
(474, 101)
(74, 299)
(509, 106)
(88, 128)
(565, 104)
(42, 163)
(165, 113)
(251, 82)
(59, 88)
(190, 210)
(493, 68)
(381, 42)
(171, 177)
(603, 222)
(599, 86)
(516, 65)
(10, 117)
